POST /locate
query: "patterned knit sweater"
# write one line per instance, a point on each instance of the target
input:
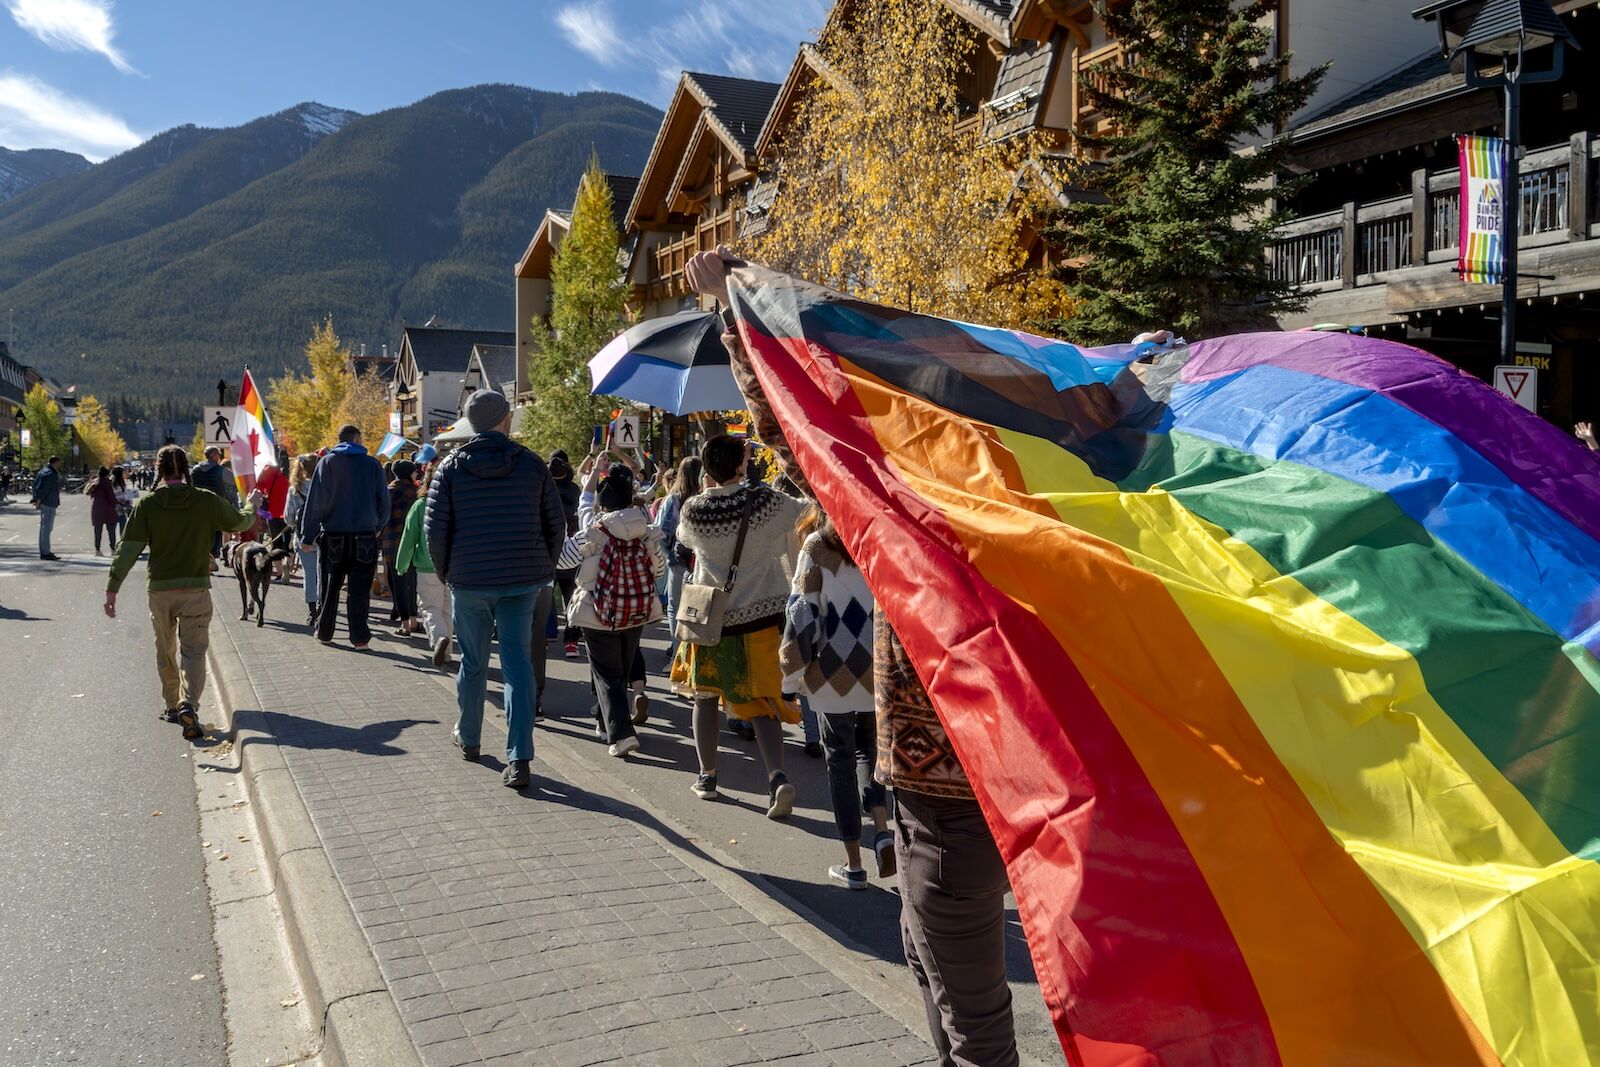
(914, 752)
(709, 526)
(827, 632)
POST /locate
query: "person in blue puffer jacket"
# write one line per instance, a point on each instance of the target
(495, 526)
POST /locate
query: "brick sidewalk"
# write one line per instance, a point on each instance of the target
(543, 927)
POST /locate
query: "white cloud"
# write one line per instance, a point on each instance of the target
(590, 29)
(746, 38)
(71, 26)
(36, 115)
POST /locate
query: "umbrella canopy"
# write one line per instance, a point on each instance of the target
(675, 363)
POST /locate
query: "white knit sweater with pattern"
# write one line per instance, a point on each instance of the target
(709, 526)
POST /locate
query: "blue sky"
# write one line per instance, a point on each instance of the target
(97, 77)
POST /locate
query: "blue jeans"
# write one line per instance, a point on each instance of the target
(47, 522)
(509, 612)
(808, 722)
(308, 573)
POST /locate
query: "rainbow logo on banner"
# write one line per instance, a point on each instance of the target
(1271, 659)
(1483, 207)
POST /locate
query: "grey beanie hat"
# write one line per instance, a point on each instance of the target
(486, 409)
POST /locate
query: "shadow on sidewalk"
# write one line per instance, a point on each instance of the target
(294, 731)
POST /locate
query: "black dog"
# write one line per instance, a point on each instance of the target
(252, 564)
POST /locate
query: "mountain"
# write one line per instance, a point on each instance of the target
(20, 171)
(163, 269)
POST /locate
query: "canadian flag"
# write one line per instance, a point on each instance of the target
(253, 447)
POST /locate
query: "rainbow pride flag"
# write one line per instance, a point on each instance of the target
(1481, 253)
(1271, 659)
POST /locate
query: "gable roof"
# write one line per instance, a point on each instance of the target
(1020, 90)
(438, 350)
(733, 110)
(993, 17)
(499, 363)
(622, 189)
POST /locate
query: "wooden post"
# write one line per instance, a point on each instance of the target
(1347, 247)
(1420, 216)
(1579, 209)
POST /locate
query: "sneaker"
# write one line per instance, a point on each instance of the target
(883, 845)
(468, 752)
(814, 749)
(641, 709)
(572, 650)
(441, 652)
(856, 879)
(705, 787)
(622, 748)
(51, 556)
(516, 775)
(189, 719)
(599, 729)
(311, 614)
(782, 796)
(362, 647)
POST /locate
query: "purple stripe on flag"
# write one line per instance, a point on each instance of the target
(1534, 454)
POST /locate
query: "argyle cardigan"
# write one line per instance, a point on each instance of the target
(826, 651)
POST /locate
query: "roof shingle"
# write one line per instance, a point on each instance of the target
(738, 105)
(436, 349)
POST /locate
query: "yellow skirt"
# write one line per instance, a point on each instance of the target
(742, 669)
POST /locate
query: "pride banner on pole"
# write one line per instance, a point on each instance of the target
(1483, 205)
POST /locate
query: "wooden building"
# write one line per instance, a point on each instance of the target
(1375, 240)
(429, 375)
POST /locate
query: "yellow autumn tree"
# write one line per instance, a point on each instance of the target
(308, 409)
(891, 188)
(102, 445)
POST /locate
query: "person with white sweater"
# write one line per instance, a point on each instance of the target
(741, 670)
(826, 654)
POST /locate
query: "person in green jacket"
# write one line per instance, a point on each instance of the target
(178, 522)
(432, 597)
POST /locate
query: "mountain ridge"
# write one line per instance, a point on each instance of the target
(22, 169)
(167, 276)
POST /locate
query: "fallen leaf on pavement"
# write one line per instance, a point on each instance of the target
(197, 978)
(153, 814)
(289, 1002)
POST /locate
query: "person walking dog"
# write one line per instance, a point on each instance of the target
(177, 522)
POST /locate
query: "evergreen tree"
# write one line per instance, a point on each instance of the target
(1192, 189)
(587, 303)
(41, 417)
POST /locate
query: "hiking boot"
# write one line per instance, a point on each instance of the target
(622, 748)
(189, 719)
(170, 715)
(641, 709)
(441, 652)
(856, 879)
(705, 787)
(814, 749)
(516, 775)
(883, 845)
(468, 752)
(781, 795)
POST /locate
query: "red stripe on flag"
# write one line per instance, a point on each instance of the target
(1133, 955)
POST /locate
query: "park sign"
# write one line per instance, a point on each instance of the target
(1482, 255)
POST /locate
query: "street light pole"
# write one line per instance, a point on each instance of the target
(1511, 214)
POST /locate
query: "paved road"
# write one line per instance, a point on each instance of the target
(103, 911)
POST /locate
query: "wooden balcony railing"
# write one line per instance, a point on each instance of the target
(668, 261)
(1092, 67)
(1361, 244)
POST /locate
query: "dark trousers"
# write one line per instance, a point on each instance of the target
(345, 559)
(567, 582)
(851, 741)
(110, 529)
(611, 655)
(952, 922)
(403, 590)
(543, 612)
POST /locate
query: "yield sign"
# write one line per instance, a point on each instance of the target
(1519, 383)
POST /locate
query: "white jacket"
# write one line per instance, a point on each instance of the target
(582, 551)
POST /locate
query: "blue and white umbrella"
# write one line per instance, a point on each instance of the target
(675, 363)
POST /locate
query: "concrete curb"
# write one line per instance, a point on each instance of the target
(890, 988)
(360, 1023)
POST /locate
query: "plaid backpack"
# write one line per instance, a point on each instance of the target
(624, 588)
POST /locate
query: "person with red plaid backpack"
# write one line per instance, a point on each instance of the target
(619, 558)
